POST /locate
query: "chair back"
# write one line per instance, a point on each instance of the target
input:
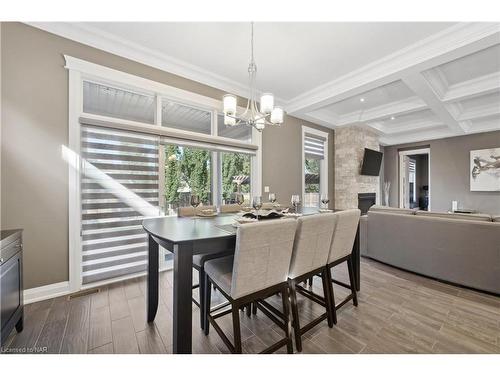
(344, 234)
(191, 211)
(227, 208)
(312, 243)
(262, 255)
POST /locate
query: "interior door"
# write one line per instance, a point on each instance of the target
(404, 182)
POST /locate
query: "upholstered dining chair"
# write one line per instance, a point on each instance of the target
(309, 257)
(340, 251)
(230, 208)
(199, 261)
(258, 269)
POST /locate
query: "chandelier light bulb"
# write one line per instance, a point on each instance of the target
(229, 102)
(277, 115)
(266, 103)
(260, 124)
(229, 121)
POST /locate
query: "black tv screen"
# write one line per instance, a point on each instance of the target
(371, 162)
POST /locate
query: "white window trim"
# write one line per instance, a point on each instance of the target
(80, 70)
(323, 188)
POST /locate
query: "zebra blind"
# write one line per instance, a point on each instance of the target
(119, 187)
(314, 147)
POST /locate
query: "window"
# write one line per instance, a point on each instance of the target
(235, 176)
(315, 166)
(119, 187)
(170, 145)
(109, 101)
(183, 117)
(187, 170)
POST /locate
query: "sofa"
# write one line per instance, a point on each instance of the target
(462, 249)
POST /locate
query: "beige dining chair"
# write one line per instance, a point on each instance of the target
(309, 258)
(341, 251)
(230, 208)
(258, 269)
(199, 261)
(191, 211)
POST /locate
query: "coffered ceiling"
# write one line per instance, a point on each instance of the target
(406, 81)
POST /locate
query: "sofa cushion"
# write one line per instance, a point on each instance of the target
(472, 217)
(392, 210)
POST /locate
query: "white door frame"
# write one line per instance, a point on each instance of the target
(402, 154)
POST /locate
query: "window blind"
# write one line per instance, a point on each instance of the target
(119, 187)
(314, 147)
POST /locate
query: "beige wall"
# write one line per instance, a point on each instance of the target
(34, 126)
(449, 172)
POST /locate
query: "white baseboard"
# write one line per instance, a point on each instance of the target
(45, 292)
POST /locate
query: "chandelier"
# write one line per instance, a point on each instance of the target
(267, 114)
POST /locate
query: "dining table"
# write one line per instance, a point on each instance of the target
(185, 237)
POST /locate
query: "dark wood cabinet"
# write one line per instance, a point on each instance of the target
(11, 282)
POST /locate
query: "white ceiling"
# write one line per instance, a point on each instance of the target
(419, 81)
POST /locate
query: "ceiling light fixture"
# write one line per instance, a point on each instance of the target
(268, 114)
(393, 118)
(362, 100)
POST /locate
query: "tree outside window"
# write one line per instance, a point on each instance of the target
(235, 176)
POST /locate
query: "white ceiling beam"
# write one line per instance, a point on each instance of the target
(484, 111)
(422, 88)
(417, 136)
(457, 41)
(407, 127)
(387, 110)
(474, 87)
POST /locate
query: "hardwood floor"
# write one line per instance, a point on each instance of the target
(398, 312)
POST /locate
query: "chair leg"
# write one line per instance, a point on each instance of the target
(326, 293)
(332, 294)
(295, 316)
(236, 329)
(351, 281)
(207, 304)
(311, 281)
(286, 312)
(249, 309)
(254, 308)
(201, 293)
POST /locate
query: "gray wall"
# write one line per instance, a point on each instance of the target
(449, 172)
(35, 126)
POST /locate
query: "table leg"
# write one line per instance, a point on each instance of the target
(356, 262)
(182, 309)
(152, 280)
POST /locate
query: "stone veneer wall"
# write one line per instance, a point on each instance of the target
(350, 142)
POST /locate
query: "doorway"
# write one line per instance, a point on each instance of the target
(414, 179)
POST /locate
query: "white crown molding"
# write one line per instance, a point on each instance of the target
(107, 42)
(46, 292)
(427, 53)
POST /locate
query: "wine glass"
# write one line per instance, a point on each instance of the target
(325, 200)
(295, 201)
(272, 198)
(257, 204)
(239, 198)
(195, 202)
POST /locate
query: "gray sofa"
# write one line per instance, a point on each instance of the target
(458, 248)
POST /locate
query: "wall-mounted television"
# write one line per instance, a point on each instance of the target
(371, 162)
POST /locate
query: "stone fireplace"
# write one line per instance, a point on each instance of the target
(365, 201)
(350, 143)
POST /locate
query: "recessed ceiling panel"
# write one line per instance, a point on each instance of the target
(383, 95)
(472, 66)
